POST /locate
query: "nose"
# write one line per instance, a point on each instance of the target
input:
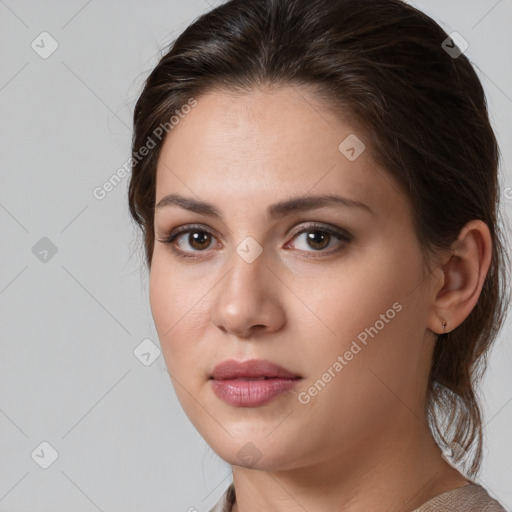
(249, 298)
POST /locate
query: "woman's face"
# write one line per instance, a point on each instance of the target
(335, 294)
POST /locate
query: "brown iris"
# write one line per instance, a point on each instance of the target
(316, 239)
(199, 239)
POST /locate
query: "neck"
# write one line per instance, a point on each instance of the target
(399, 472)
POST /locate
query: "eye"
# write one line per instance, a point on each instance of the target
(198, 239)
(319, 237)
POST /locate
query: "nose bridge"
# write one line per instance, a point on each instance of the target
(246, 296)
(243, 284)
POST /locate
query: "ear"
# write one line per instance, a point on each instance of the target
(465, 270)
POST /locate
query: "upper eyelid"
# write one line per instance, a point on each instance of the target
(320, 226)
(302, 226)
(188, 228)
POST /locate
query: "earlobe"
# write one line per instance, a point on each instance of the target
(464, 273)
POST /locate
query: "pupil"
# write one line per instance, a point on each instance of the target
(314, 239)
(199, 238)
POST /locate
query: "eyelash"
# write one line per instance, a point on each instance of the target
(343, 236)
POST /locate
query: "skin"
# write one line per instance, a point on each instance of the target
(362, 443)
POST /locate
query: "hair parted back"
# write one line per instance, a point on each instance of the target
(381, 64)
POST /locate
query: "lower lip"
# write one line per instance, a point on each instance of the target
(251, 393)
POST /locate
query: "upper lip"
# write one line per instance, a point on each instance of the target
(253, 368)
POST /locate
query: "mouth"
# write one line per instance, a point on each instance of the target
(254, 378)
(251, 383)
(251, 370)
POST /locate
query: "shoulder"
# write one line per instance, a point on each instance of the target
(468, 498)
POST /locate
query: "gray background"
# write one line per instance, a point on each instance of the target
(70, 323)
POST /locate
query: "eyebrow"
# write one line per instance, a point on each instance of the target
(277, 210)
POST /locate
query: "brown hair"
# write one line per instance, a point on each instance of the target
(423, 111)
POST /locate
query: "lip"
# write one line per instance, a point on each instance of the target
(251, 393)
(253, 368)
(251, 383)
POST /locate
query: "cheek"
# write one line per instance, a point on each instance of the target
(178, 307)
(163, 293)
(353, 296)
(169, 292)
(369, 314)
(380, 361)
(166, 302)
(177, 314)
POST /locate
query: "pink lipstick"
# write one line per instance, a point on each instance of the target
(251, 383)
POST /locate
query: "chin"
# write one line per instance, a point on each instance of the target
(254, 453)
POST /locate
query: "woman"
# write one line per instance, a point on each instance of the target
(316, 182)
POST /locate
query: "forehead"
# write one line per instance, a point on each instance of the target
(271, 145)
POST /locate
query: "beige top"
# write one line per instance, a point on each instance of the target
(468, 498)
